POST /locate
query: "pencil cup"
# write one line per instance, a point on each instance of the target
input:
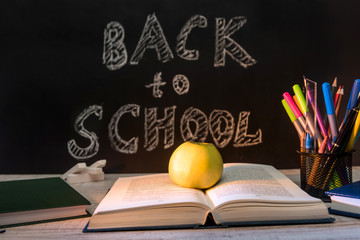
(321, 172)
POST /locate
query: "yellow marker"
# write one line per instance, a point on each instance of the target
(331, 185)
(335, 182)
(354, 134)
(296, 100)
(309, 118)
(293, 119)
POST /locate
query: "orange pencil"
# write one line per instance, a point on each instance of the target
(323, 145)
(339, 94)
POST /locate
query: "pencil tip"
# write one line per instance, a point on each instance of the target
(335, 82)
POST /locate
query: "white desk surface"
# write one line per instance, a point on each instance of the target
(343, 228)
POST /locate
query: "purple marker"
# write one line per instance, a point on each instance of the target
(319, 119)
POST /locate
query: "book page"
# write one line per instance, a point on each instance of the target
(141, 191)
(255, 182)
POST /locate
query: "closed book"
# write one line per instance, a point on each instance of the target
(345, 200)
(351, 190)
(35, 200)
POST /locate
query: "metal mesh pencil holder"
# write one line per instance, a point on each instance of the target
(321, 172)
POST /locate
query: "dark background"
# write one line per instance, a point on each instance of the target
(51, 70)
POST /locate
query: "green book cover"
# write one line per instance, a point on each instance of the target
(36, 194)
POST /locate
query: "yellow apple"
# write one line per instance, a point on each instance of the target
(195, 165)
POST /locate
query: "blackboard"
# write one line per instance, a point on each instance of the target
(130, 80)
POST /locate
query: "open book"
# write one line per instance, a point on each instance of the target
(246, 194)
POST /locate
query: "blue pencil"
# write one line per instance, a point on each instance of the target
(330, 109)
(353, 97)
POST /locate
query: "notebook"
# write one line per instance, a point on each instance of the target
(345, 200)
(36, 200)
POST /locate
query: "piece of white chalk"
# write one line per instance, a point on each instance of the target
(81, 173)
(77, 168)
(99, 164)
(84, 177)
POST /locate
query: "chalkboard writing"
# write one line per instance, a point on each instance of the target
(221, 135)
(84, 153)
(152, 37)
(130, 80)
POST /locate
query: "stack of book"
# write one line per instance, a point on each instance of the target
(345, 200)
